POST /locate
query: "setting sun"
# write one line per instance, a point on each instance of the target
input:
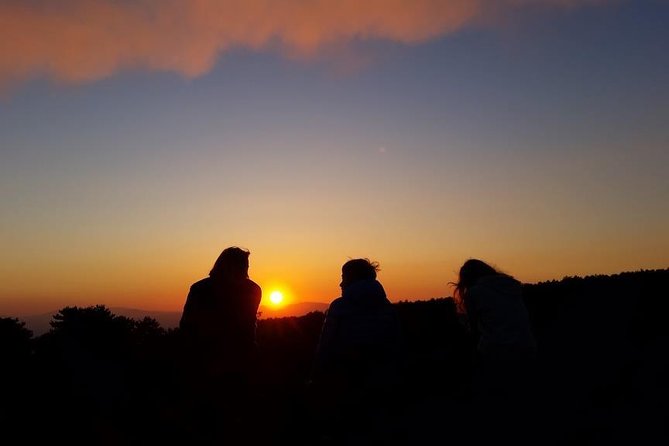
(276, 297)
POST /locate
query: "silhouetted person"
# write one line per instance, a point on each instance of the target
(357, 364)
(505, 349)
(219, 331)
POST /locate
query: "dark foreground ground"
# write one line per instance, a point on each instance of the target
(602, 377)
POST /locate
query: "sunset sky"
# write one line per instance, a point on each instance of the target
(140, 138)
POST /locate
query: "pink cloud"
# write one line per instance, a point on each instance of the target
(86, 40)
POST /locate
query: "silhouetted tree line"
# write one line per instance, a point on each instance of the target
(602, 377)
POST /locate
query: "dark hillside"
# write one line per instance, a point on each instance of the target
(603, 345)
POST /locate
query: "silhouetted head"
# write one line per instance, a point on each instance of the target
(358, 269)
(470, 273)
(232, 263)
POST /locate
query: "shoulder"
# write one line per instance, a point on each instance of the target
(337, 308)
(252, 287)
(198, 294)
(499, 282)
(201, 285)
(253, 290)
(493, 286)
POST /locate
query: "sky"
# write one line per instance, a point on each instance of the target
(139, 139)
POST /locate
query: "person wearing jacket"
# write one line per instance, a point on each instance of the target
(497, 315)
(505, 347)
(219, 317)
(358, 360)
(218, 329)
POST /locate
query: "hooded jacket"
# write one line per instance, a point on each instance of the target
(361, 332)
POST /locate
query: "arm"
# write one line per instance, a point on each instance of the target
(324, 351)
(472, 315)
(186, 323)
(249, 313)
(256, 298)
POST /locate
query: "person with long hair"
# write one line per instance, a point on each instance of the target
(505, 347)
(496, 312)
(219, 316)
(218, 328)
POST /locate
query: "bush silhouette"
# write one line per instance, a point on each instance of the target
(602, 343)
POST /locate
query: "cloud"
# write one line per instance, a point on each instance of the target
(86, 40)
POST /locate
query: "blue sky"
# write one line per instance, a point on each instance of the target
(538, 142)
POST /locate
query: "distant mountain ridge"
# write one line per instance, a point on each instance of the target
(296, 309)
(39, 323)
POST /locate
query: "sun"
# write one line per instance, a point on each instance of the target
(276, 297)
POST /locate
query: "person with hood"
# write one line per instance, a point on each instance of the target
(358, 359)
